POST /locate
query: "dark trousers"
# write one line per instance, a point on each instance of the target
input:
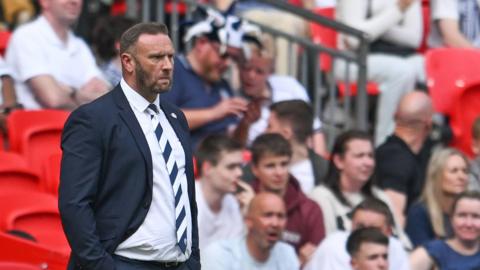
(122, 263)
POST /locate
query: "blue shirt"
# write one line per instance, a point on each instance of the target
(189, 91)
(446, 258)
(419, 227)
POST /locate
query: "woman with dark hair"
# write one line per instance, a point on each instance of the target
(349, 181)
(460, 252)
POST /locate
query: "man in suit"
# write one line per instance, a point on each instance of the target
(127, 195)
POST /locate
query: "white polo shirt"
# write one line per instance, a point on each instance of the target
(35, 49)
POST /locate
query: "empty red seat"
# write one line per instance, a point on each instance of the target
(466, 108)
(15, 174)
(449, 72)
(36, 134)
(18, 250)
(19, 266)
(36, 214)
(51, 173)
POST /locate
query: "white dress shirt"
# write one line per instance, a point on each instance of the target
(155, 239)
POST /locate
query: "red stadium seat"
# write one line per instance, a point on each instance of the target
(2, 142)
(18, 266)
(51, 173)
(328, 38)
(466, 108)
(449, 72)
(15, 173)
(16, 249)
(36, 134)
(4, 38)
(36, 214)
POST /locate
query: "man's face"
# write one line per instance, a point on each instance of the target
(266, 223)
(272, 173)
(153, 61)
(370, 219)
(226, 173)
(370, 256)
(211, 61)
(253, 76)
(66, 12)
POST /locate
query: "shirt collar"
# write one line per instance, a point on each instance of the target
(52, 36)
(136, 100)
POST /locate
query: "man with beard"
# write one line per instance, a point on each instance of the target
(260, 248)
(53, 68)
(127, 194)
(199, 89)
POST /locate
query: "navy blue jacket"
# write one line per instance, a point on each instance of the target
(107, 177)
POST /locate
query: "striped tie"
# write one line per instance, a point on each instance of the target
(180, 220)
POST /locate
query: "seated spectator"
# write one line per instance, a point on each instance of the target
(454, 24)
(219, 162)
(409, 147)
(8, 99)
(262, 87)
(447, 176)
(462, 250)
(106, 44)
(395, 30)
(261, 248)
(199, 89)
(475, 163)
(349, 181)
(271, 155)
(371, 213)
(293, 120)
(53, 68)
(369, 249)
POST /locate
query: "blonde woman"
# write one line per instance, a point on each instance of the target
(447, 176)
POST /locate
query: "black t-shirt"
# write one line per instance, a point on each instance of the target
(399, 169)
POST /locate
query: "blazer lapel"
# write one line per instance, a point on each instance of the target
(182, 136)
(131, 121)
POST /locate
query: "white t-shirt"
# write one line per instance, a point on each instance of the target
(283, 88)
(303, 172)
(35, 49)
(233, 255)
(332, 254)
(228, 223)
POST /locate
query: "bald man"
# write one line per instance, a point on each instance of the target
(260, 248)
(400, 166)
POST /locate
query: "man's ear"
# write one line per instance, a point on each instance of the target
(476, 146)
(206, 168)
(128, 62)
(353, 263)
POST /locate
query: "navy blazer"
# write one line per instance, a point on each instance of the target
(106, 179)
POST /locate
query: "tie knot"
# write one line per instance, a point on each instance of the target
(153, 107)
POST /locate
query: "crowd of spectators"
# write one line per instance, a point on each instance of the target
(295, 203)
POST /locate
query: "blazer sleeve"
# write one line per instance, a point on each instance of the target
(80, 174)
